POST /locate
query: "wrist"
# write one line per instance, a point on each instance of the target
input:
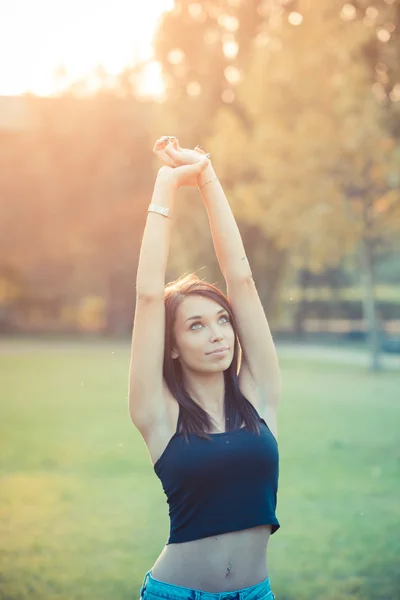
(206, 175)
(165, 181)
(164, 190)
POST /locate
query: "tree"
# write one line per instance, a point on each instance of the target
(302, 146)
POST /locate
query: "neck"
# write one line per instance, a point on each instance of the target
(208, 391)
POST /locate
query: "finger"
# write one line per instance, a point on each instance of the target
(204, 163)
(159, 151)
(174, 143)
(173, 153)
(199, 149)
(196, 168)
(162, 155)
(163, 141)
(159, 145)
(168, 161)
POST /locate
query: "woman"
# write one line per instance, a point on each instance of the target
(210, 429)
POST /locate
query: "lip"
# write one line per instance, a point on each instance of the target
(219, 350)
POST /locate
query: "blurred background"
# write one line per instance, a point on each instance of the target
(298, 102)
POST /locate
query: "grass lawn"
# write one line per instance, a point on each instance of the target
(83, 516)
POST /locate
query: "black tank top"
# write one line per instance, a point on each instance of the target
(226, 484)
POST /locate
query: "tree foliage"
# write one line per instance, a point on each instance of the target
(298, 103)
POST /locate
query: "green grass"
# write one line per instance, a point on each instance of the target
(83, 515)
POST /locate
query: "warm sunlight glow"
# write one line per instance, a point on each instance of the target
(46, 45)
(151, 83)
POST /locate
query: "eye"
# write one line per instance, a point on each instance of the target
(226, 317)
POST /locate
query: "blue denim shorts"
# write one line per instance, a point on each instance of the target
(152, 589)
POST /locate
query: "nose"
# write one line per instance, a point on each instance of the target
(216, 335)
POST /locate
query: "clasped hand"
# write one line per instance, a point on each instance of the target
(182, 165)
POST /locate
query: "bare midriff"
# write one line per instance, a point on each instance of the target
(221, 563)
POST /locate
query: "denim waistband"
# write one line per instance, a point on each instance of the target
(167, 591)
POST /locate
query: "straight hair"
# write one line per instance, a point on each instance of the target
(195, 420)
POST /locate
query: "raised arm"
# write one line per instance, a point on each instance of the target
(147, 353)
(150, 277)
(259, 370)
(225, 233)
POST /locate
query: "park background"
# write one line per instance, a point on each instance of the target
(298, 103)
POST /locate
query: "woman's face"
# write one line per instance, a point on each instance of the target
(202, 326)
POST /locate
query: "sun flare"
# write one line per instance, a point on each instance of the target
(45, 46)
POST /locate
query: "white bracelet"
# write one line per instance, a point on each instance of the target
(161, 210)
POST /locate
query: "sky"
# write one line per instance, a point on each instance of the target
(38, 37)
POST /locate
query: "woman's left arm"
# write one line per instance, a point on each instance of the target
(225, 233)
(259, 374)
(259, 371)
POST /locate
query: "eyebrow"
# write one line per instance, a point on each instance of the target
(200, 317)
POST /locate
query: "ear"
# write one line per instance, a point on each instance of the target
(174, 354)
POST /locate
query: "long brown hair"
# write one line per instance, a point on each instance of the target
(195, 419)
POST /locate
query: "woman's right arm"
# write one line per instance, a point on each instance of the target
(146, 385)
(150, 278)
(146, 397)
